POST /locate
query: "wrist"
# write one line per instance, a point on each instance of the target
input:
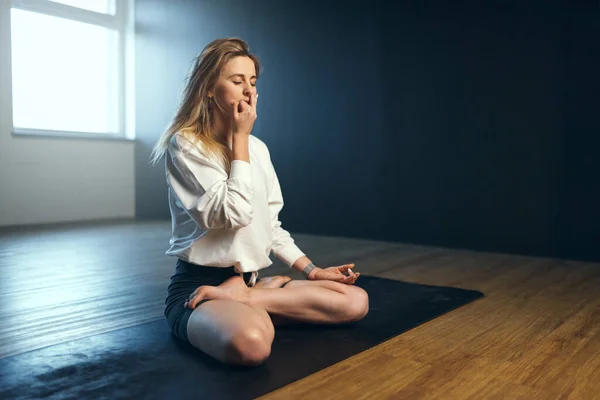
(309, 270)
(311, 275)
(240, 135)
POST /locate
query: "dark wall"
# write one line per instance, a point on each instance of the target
(473, 106)
(491, 117)
(320, 95)
(467, 126)
(577, 222)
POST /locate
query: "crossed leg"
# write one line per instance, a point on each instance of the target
(352, 305)
(231, 332)
(237, 325)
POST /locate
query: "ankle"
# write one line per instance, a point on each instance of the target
(250, 297)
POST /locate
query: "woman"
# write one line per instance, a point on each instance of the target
(225, 199)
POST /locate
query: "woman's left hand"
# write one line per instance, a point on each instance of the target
(335, 274)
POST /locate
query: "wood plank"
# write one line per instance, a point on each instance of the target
(536, 334)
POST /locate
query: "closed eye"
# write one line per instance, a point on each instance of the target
(239, 83)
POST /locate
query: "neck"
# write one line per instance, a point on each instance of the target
(221, 127)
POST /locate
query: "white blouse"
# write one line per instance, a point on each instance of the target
(224, 221)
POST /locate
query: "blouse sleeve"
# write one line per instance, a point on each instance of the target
(211, 198)
(284, 246)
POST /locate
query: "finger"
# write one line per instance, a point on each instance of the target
(187, 302)
(350, 270)
(234, 109)
(192, 300)
(246, 107)
(193, 303)
(251, 100)
(350, 280)
(253, 105)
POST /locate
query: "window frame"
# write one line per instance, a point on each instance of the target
(123, 23)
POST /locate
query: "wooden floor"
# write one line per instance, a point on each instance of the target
(536, 334)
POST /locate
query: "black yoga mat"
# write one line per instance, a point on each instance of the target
(147, 362)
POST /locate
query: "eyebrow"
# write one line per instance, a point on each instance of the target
(242, 75)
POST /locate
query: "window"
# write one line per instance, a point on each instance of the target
(101, 6)
(72, 63)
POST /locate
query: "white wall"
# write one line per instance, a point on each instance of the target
(45, 180)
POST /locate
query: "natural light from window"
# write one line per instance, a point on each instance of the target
(101, 6)
(64, 73)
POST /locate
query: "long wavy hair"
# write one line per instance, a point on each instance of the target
(194, 115)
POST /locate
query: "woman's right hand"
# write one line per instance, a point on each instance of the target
(243, 116)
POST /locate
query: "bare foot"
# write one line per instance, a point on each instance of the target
(272, 282)
(233, 288)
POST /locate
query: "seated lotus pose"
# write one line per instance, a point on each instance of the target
(225, 198)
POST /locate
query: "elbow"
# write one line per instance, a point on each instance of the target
(238, 220)
(239, 213)
(228, 215)
(231, 222)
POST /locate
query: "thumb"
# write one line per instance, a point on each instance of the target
(233, 107)
(333, 276)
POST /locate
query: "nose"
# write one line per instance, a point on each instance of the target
(248, 92)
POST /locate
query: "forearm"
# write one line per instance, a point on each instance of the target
(240, 148)
(301, 263)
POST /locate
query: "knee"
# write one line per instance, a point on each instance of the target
(249, 347)
(358, 304)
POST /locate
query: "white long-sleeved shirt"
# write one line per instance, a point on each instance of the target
(223, 221)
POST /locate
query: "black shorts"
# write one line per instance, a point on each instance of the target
(186, 279)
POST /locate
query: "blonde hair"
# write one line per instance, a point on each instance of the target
(192, 118)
